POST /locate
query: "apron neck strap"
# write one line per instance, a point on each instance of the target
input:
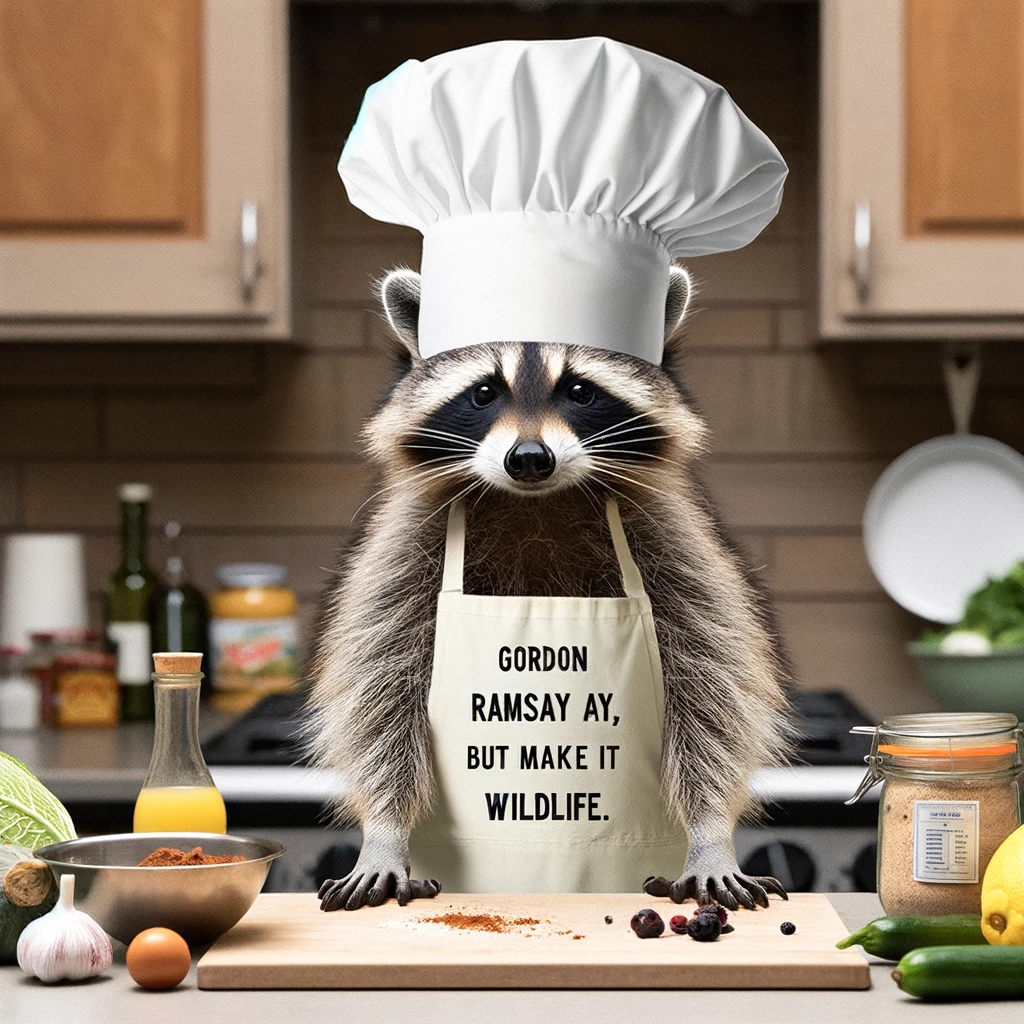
(632, 582)
(455, 551)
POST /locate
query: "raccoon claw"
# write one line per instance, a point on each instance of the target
(368, 888)
(731, 889)
(657, 886)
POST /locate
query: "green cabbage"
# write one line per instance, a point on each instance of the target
(30, 815)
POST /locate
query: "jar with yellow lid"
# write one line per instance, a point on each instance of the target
(253, 634)
(949, 798)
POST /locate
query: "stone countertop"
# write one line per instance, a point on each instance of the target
(109, 766)
(114, 997)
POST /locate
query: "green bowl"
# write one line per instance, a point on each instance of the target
(974, 682)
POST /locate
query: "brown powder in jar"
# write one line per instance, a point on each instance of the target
(169, 857)
(482, 922)
(900, 894)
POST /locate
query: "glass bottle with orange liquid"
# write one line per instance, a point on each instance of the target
(178, 794)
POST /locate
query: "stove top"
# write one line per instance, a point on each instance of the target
(268, 734)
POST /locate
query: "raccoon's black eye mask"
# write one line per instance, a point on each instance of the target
(603, 422)
(453, 431)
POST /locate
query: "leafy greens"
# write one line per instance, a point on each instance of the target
(30, 815)
(996, 611)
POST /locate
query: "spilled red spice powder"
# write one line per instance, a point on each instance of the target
(169, 857)
(482, 922)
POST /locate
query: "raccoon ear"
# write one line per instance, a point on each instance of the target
(400, 297)
(680, 289)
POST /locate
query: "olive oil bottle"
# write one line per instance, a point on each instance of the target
(129, 590)
(179, 617)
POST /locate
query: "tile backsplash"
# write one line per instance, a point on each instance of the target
(256, 449)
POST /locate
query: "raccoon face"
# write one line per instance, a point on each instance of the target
(529, 418)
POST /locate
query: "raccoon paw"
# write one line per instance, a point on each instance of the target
(731, 888)
(367, 886)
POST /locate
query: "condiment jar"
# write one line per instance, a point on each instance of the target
(178, 794)
(254, 635)
(86, 693)
(949, 798)
(19, 693)
(46, 648)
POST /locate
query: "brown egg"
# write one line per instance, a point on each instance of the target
(158, 958)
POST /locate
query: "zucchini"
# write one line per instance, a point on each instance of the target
(893, 937)
(962, 972)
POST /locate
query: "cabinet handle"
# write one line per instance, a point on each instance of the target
(860, 265)
(251, 266)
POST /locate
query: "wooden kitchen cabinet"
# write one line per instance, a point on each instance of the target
(144, 169)
(922, 168)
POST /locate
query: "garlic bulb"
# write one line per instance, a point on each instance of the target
(65, 944)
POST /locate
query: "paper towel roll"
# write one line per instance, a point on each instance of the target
(43, 585)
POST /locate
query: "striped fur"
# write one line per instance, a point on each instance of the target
(724, 674)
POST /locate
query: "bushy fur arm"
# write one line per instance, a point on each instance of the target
(724, 681)
(371, 677)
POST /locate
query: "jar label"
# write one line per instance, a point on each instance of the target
(946, 841)
(254, 654)
(134, 660)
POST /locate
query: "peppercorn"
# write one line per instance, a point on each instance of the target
(678, 924)
(705, 928)
(787, 927)
(647, 924)
(607, 918)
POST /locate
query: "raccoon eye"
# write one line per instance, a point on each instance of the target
(484, 394)
(581, 393)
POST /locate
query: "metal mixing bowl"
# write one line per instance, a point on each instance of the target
(198, 902)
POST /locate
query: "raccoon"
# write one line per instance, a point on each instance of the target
(534, 437)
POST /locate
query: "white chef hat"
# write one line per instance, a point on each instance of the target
(554, 183)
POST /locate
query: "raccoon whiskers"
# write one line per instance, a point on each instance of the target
(602, 469)
(455, 452)
(455, 465)
(476, 484)
(430, 476)
(452, 458)
(607, 441)
(615, 492)
(626, 437)
(614, 426)
(445, 435)
(631, 452)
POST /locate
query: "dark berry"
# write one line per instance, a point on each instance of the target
(678, 924)
(647, 924)
(705, 928)
(717, 909)
(607, 918)
(787, 927)
(726, 928)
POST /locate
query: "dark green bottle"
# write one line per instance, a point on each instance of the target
(179, 617)
(129, 591)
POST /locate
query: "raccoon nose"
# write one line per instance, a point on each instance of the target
(529, 460)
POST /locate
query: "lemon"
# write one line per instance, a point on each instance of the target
(1002, 893)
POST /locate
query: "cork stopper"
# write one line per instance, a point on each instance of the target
(177, 663)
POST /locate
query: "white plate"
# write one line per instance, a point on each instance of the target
(942, 519)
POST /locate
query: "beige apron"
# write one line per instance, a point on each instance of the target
(546, 718)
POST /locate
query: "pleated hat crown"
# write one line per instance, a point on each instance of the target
(554, 183)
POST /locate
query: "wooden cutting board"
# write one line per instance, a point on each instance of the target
(285, 941)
